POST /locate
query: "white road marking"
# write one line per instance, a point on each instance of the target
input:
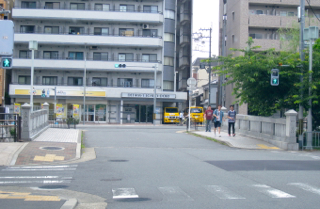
(39, 169)
(38, 182)
(271, 192)
(123, 193)
(53, 166)
(223, 193)
(174, 194)
(33, 177)
(307, 187)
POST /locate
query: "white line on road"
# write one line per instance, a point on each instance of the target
(271, 192)
(39, 169)
(33, 177)
(223, 193)
(307, 187)
(53, 166)
(123, 193)
(38, 182)
(174, 194)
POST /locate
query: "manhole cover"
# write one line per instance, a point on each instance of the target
(53, 187)
(52, 148)
(121, 161)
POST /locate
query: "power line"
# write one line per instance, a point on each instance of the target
(313, 10)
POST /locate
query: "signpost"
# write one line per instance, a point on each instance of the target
(191, 82)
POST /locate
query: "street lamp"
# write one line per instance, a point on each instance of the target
(33, 45)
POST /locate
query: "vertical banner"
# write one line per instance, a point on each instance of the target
(76, 109)
(17, 108)
(61, 111)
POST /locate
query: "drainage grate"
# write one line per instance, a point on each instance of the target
(52, 148)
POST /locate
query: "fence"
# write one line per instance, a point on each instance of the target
(64, 123)
(314, 142)
(10, 127)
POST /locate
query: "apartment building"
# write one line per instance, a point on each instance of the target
(259, 19)
(99, 37)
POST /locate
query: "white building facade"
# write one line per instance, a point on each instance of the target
(96, 36)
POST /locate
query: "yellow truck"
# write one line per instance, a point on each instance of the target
(171, 115)
(196, 114)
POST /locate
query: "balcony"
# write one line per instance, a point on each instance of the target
(183, 62)
(90, 39)
(97, 65)
(184, 39)
(267, 44)
(87, 15)
(184, 17)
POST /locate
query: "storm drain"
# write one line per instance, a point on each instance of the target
(52, 148)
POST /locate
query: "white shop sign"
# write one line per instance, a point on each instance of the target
(142, 95)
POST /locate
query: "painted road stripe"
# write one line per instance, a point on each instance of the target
(54, 166)
(52, 169)
(38, 182)
(124, 193)
(271, 192)
(33, 177)
(223, 193)
(307, 187)
(174, 194)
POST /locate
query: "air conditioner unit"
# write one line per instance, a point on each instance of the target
(145, 26)
(93, 47)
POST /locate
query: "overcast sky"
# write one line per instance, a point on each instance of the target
(206, 15)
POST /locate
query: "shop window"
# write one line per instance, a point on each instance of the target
(101, 31)
(168, 61)
(100, 56)
(150, 9)
(24, 54)
(125, 82)
(169, 37)
(126, 57)
(150, 32)
(28, 4)
(52, 5)
(77, 6)
(147, 83)
(51, 29)
(27, 29)
(75, 81)
(126, 32)
(99, 81)
(149, 58)
(50, 54)
(49, 80)
(126, 8)
(102, 7)
(75, 55)
(24, 80)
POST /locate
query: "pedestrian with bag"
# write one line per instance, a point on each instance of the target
(208, 114)
(218, 115)
(232, 119)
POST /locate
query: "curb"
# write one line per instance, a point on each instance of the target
(70, 204)
(16, 154)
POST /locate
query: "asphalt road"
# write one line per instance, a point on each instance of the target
(158, 168)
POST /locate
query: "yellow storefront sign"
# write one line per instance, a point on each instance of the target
(38, 92)
(17, 108)
(76, 109)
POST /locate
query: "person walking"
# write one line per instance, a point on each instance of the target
(232, 119)
(181, 118)
(208, 114)
(217, 119)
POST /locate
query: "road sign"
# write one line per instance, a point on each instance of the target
(6, 37)
(191, 82)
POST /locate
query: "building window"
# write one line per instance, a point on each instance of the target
(77, 6)
(126, 57)
(168, 61)
(49, 80)
(126, 8)
(101, 31)
(150, 32)
(24, 54)
(75, 81)
(168, 85)
(150, 9)
(233, 16)
(102, 7)
(125, 82)
(75, 56)
(27, 29)
(256, 36)
(52, 5)
(147, 83)
(28, 4)
(232, 38)
(51, 29)
(259, 12)
(283, 13)
(76, 30)
(126, 32)
(290, 14)
(149, 58)
(50, 54)
(24, 80)
(100, 56)
(169, 37)
(99, 81)
(169, 14)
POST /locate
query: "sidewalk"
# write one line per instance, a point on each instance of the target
(52, 146)
(239, 141)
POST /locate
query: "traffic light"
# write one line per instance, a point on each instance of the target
(274, 77)
(120, 65)
(6, 62)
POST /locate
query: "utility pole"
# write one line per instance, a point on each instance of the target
(155, 95)
(302, 25)
(223, 53)
(84, 83)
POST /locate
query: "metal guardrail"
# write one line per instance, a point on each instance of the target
(10, 127)
(314, 140)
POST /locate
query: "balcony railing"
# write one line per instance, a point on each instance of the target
(67, 7)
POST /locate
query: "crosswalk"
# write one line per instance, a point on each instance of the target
(175, 193)
(39, 175)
